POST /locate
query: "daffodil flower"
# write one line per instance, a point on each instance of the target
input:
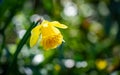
(51, 37)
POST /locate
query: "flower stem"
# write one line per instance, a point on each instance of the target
(19, 47)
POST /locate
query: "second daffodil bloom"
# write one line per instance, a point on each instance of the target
(51, 37)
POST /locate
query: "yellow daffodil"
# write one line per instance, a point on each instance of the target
(101, 64)
(51, 37)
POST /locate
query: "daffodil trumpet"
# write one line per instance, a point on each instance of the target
(50, 36)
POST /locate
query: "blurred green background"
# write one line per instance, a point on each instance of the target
(92, 40)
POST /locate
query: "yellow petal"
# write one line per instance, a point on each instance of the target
(49, 31)
(35, 33)
(33, 40)
(57, 24)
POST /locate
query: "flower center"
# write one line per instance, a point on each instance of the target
(52, 41)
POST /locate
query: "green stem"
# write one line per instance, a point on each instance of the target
(20, 45)
(23, 41)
